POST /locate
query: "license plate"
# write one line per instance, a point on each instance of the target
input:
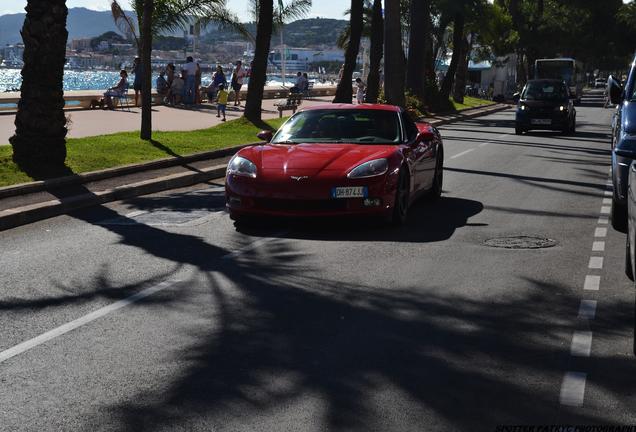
(541, 121)
(350, 192)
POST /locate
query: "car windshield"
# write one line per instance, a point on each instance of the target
(538, 90)
(335, 126)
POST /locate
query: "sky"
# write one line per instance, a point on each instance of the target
(321, 8)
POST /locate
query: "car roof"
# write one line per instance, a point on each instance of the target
(546, 80)
(342, 106)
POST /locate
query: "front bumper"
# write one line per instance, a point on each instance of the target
(558, 120)
(307, 198)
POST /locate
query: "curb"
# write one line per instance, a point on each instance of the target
(32, 213)
(461, 116)
(42, 185)
(14, 217)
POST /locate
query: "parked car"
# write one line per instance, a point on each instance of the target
(623, 144)
(338, 159)
(545, 104)
(600, 83)
(630, 238)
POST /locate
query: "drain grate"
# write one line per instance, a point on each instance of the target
(521, 242)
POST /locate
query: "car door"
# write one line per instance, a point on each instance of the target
(423, 155)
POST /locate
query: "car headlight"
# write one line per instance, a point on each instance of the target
(241, 167)
(370, 169)
(523, 107)
(561, 108)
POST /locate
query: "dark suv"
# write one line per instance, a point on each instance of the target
(623, 143)
(545, 104)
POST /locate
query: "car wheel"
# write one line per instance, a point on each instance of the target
(629, 271)
(438, 180)
(402, 196)
(619, 216)
(518, 131)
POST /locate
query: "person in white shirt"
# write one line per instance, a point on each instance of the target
(190, 69)
(237, 82)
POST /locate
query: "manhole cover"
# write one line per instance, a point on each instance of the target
(520, 242)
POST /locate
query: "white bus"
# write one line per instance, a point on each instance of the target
(567, 69)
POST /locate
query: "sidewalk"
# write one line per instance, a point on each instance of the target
(28, 203)
(164, 118)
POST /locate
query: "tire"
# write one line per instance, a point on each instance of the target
(629, 271)
(518, 131)
(438, 181)
(402, 196)
(619, 216)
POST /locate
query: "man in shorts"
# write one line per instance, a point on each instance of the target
(237, 82)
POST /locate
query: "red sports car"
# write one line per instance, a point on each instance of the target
(334, 159)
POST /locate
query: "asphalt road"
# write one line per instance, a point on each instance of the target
(332, 325)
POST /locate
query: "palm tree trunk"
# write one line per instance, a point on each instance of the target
(458, 42)
(462, 71)
(146, 67)
(344, 91)
(258, 76)
(416, 66)
(376, 51)
(39, 143)
(394, 54)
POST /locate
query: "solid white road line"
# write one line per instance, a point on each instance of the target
(573, 389)
(587, 309)
(598, 246)
(600, 232)
(461, 154)
(608, 193)
(605, 210)
(581, 344)
(596, 262)
(592, 283)
(607, 201)
(65, 328)
(603, 220)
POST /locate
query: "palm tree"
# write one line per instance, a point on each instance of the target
(344, 91)
(264, 28)
(376, 51)
(146, 57)
(393, 54)
(367, 20)
(458, 43)
(39, 143)
(420, 48)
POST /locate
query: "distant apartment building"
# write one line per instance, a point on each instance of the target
(12, 52)
(301, 59)
(81, 44)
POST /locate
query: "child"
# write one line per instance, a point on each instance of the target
(221, 101)
(360, 92)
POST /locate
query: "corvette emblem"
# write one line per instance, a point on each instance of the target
(299, 178)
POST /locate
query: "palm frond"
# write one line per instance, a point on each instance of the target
(294, 10)
(123, 22)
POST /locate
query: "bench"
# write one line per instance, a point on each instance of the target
(292, 102)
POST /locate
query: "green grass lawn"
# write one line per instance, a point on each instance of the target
(108, 151)
(471, 102)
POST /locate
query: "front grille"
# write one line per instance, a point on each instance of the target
(278, 204)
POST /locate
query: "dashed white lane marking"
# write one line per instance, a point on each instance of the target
(603, 220)
(600, 232)
(581, 344)
(592, 283)
(598, 246)
(252, 246)
(605, 210)
(135, 213)
(573, 389)
(587, 309)
(607, 201)
(461, 154)
(608, 193)
(70, 326)
(596, 262)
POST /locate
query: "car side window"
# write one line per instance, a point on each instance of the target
(410, 129)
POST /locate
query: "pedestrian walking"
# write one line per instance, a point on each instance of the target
(360, 89)
(138, 80)
(221, 101)
(237, 82)
(190, 69)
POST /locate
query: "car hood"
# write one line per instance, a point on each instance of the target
(312, 159)
(628, 118)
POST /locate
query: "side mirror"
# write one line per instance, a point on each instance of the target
(615, 91)
(423, 136)
(516, 97)
(265, 135)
